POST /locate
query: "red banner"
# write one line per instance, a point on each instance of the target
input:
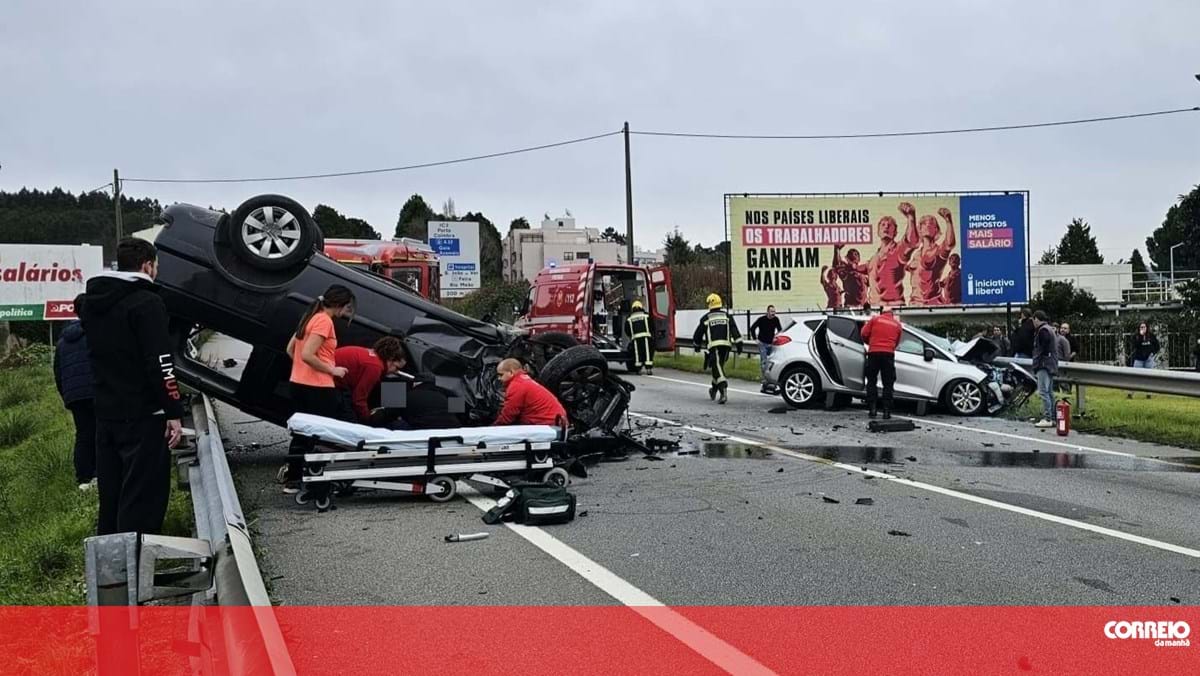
(602, 640)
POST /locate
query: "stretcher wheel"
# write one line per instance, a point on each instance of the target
(324, 503)
(315, 468)
(557, 476)
(301, 498)
(447, 488)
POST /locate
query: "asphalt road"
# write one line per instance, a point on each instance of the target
(982, 511)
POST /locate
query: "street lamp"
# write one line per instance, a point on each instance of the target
(1172, 256)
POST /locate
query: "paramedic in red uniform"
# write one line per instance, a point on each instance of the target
(881, 333)
(526, 402)
(888, 265)
(931, 259)
(365, 368)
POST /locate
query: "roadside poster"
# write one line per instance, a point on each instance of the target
(842, 251)
(457, 246)
(40, 281)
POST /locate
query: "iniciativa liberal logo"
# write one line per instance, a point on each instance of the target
(1164, 634)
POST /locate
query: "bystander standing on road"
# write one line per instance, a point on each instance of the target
(764, 330)
(138, 404)
(1045, 365)
(1143, 351)
(73, 377)
(1022, 337)
(315, 371)
(882, 334)
(1001, 342)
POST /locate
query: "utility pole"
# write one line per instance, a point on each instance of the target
(117, 204)
(628, 202)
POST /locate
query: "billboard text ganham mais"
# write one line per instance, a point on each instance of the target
(842, 251)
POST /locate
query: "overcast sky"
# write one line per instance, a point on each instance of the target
(230, 89)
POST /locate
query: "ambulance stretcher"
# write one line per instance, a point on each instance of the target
(349, 456)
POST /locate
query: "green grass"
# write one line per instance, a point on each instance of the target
(744, 367)
(44, 517)
(1162, 419)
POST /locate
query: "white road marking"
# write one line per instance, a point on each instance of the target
(684, 630)
(1007, 435)
(1100, 530)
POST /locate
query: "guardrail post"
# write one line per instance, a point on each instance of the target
(1080, 400)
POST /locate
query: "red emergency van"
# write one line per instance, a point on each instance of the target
(590, 301)
(408, 262)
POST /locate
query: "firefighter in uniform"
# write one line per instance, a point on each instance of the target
(637, 327)
(716, 335)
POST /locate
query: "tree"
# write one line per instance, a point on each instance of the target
(414, 219)
(518, 224)
(611, 235)
(335, 225)
(1189, 293)
(58, 217)
(1182, 224)
(1078, 245)
(1049, 257)
(1141, 274)
(1061, 301)
(678, 251)
(491, 251)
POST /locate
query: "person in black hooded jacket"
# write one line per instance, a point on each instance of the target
(137, 399)
(73, 378)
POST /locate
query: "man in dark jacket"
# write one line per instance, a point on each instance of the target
(764, 329)
(1045, 365)
(1022, 338)
(73, 377)
(138, 403)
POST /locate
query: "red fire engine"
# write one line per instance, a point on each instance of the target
(409, 263)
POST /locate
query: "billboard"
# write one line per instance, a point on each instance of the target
(457, 246)
(841, 251)
(40, 281)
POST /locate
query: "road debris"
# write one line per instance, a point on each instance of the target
(832, 501)
(779, 471)
(911, 458)
(900, 533)
(467, 537)
(864, 501)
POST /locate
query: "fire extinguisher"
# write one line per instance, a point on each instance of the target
(1062, 411)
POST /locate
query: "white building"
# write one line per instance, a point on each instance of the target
(647, 258)
(558, 241)
(1106, 281)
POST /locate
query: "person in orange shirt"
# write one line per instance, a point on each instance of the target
(314, 372)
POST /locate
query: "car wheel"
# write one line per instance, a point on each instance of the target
(576, 375)
(800, 386)
(964, 397)
(272, 232)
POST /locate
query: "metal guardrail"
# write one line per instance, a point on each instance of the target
(1159, 381)
(220, 568)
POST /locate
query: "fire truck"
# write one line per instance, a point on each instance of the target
(410, 263)
(587, 304)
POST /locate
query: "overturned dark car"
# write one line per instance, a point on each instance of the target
(252, 274)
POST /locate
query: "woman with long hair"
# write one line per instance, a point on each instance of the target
(1143, 350)
(314, 372)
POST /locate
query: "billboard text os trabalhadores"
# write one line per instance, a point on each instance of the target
(842, 251)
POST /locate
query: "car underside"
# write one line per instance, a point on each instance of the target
(252, 274)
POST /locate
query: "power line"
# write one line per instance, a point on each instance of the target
(103, 187)
(364, 172)
(934, 132)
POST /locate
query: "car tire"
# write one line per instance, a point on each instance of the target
(575, 375)
(800, 386)
(273, 233)
(964, 398)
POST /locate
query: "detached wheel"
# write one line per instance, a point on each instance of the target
(446, 486)
(272, 232)
(800, 386)
(964, 398)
